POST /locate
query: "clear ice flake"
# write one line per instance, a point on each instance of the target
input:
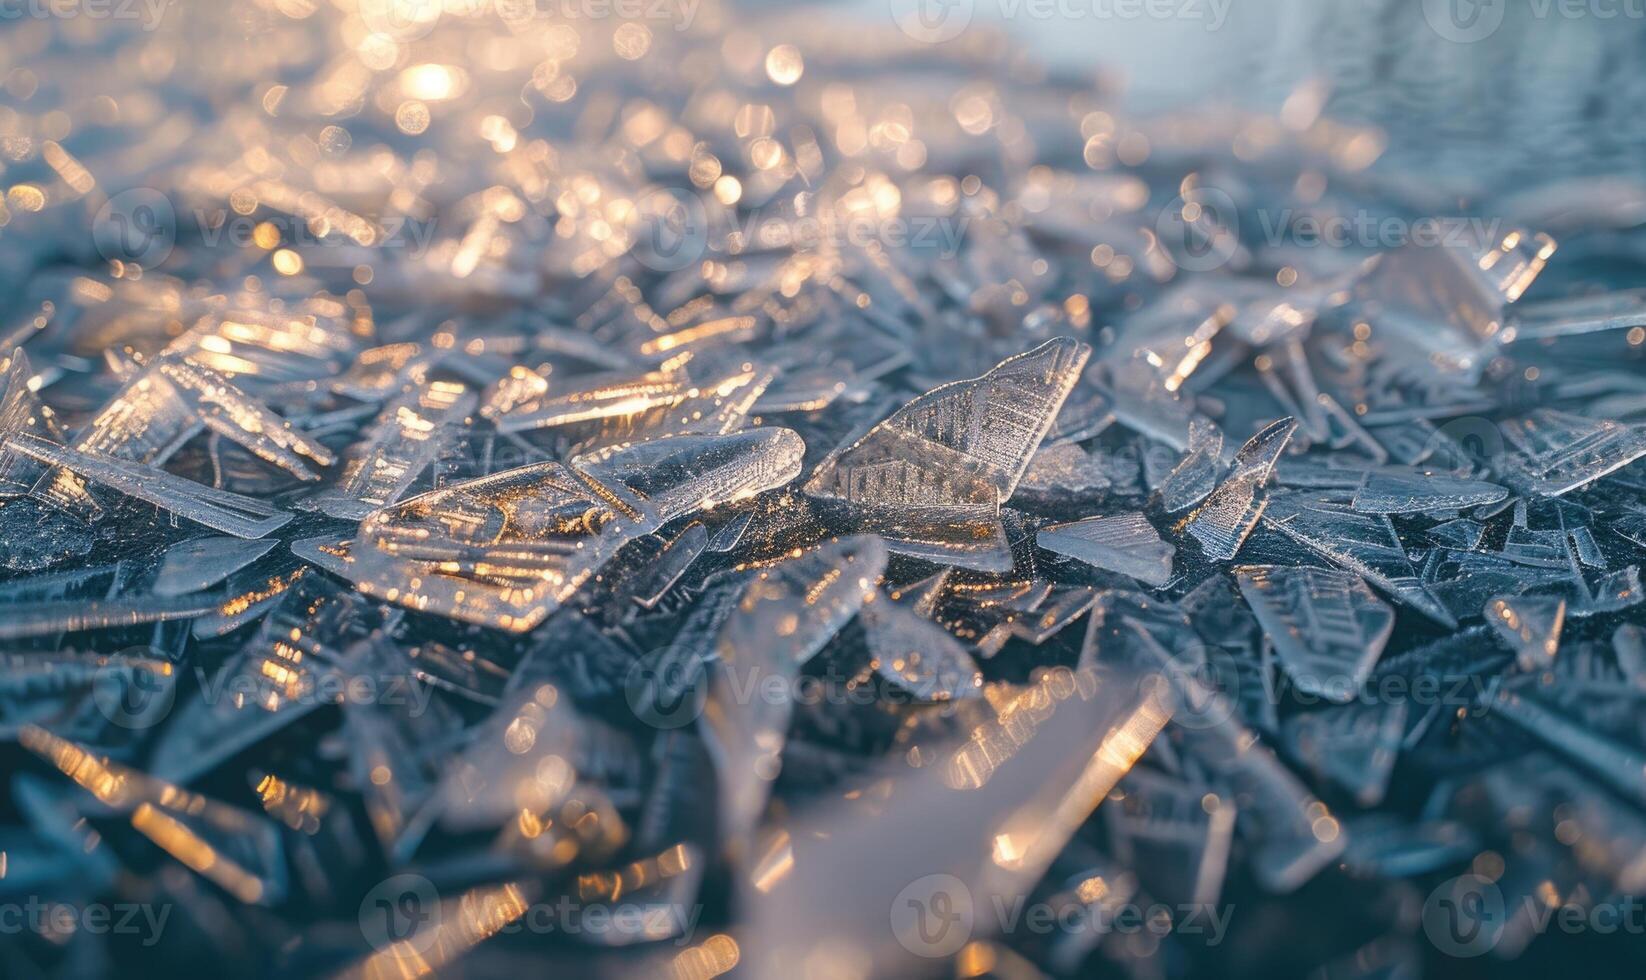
(409, 434)
(1195, 476)
(1327, 627)
(220, 510)
(1124, 543)
(1354, 746)
(21, 414)
(917, 655)
(1392, 491)
(1446, 308)
(951, 457)
(1227, 518)
(1555, 453)
(200, 563)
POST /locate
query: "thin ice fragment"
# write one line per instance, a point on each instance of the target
(410, 434)
(508, 549)
(952, 456)
(1391, 491)
(1556, 453)
(1327, 627)
(220, 510)
(917, 655)
(1125, 543)
(784, 616)
(1354, 746)
(1195, 476)
(1227, 518)
(203, 562)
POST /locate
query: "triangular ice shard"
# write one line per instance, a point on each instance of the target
(1530, 625)
(204, 562)
(951, 457)
(1124, 543)
(1195, 476)
(1224, 522)
(1327, 627)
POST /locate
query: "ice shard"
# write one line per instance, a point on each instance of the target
(1555, 453)
(783, 617)
(1227, 518)
(220, 510)
(203, 562)
(1390, 491)
(1327, 627)
(951, 457)
(1353, 747)
(1124, 543)
(410, 434)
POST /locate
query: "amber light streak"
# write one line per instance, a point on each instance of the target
(117, 787)
(476, 916)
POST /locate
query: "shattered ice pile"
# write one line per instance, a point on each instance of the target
(482, 492)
